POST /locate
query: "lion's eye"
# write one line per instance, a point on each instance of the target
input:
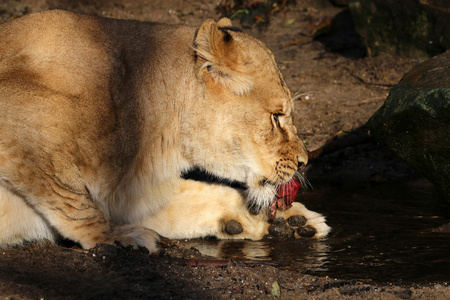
(276, 119)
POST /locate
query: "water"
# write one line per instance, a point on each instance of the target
(382, 232)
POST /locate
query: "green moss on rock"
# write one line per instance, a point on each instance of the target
(414, 121)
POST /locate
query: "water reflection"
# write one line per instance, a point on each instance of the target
(307, 255)
(382, 232)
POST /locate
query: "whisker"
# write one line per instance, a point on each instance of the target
(303, 180)
(298, 95)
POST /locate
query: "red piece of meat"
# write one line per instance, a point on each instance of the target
(286, 194)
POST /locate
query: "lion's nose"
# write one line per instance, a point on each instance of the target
(302, 159)
(302, 156)
(301, 162)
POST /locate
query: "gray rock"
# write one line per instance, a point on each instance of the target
(408, 27)
(414, 121)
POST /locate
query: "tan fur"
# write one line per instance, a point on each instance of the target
(100, 117)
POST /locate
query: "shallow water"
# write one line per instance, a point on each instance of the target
(383, 232)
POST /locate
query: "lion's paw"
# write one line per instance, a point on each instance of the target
(298, 222)
(134, 235)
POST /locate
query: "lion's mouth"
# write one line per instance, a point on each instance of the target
(281, 196)
(285, 196)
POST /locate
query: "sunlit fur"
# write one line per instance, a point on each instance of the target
(100, 117)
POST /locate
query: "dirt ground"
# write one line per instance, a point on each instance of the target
(336, 94)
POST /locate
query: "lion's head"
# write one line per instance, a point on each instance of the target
(240, 127)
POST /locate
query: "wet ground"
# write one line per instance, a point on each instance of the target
(386, 242)
(385, 229)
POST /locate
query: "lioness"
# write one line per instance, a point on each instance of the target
(99, 118)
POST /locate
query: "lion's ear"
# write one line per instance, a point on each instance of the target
(224, 22)
(222, 57)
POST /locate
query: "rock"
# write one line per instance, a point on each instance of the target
(408, 27)
(340, 36)
(414, 121)
(340, 3)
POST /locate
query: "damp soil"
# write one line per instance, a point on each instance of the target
(389, 238)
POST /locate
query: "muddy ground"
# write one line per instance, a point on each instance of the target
(337, 91)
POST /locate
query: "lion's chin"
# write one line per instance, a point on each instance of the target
(261, 198)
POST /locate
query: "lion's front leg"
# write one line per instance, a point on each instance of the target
(201, 209)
